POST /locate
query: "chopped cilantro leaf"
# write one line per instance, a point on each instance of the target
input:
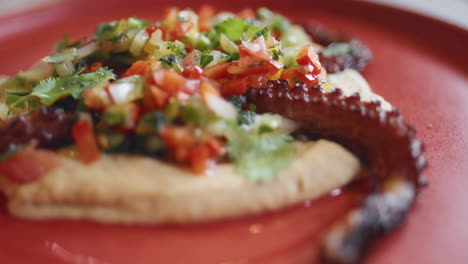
(246, 117)
(195, 113)
(232, 28)
(236, 29)
(115, 30)
(50, 90)
(204, 58)
(238, 101)
(260, 157)
(62, 44)
(170, 60)
(262, 32)
(177, 47)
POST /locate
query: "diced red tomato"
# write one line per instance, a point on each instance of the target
(142, 67)
(307, 56)
(29, 165)
(234, 87)
(218, 71)
(181, 154)
(176, 136)
(160, 97)
(179, 141)
(189, 60)
(168, 80)
(205, 89)
(178, 28)
(256, 48)
(132, 112)
(181, 28)
(96, 98)
(95, 66)
(255, 59)
(192, 72)
(205, 14)
(296, 73)
(274, 68)
(85, 141)
(308, 79)
(199, 159)
(216, 147)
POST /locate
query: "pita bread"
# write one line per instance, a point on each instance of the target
(134, 189)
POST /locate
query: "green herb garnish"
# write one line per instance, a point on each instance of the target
(204, 58)
(52, 89)
(260, 157)
(115, 30)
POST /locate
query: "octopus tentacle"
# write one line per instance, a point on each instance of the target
(379, 138)
(49, 127)
(357, 57)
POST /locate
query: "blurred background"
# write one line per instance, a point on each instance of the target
(452, 11)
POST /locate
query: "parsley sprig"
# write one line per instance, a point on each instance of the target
(52, 89)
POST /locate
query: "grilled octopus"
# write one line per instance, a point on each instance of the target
(381, 139)
(357, 55)
(47, 128)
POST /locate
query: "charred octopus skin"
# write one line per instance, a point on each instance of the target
(48, 128)
(352, 54)
(379, 138)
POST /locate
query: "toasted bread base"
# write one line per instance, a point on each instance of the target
(134, 189)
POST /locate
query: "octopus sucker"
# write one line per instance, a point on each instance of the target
(380, 138)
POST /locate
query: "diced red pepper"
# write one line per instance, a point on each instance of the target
(217, 147)
(160, 97)
(28, 165)
(218, 71)
(306, 56)
(85, 141)
(181, 154)
(169, 81)
(179, 141)
(97, 98)
(142, 67)
(199, 159)
(176, 136)
(192, 72)
(181, 28)
(234, 87)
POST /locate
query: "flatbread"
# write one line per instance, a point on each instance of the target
(135, 189)
(351, 81)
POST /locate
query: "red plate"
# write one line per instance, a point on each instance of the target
(419, 66)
